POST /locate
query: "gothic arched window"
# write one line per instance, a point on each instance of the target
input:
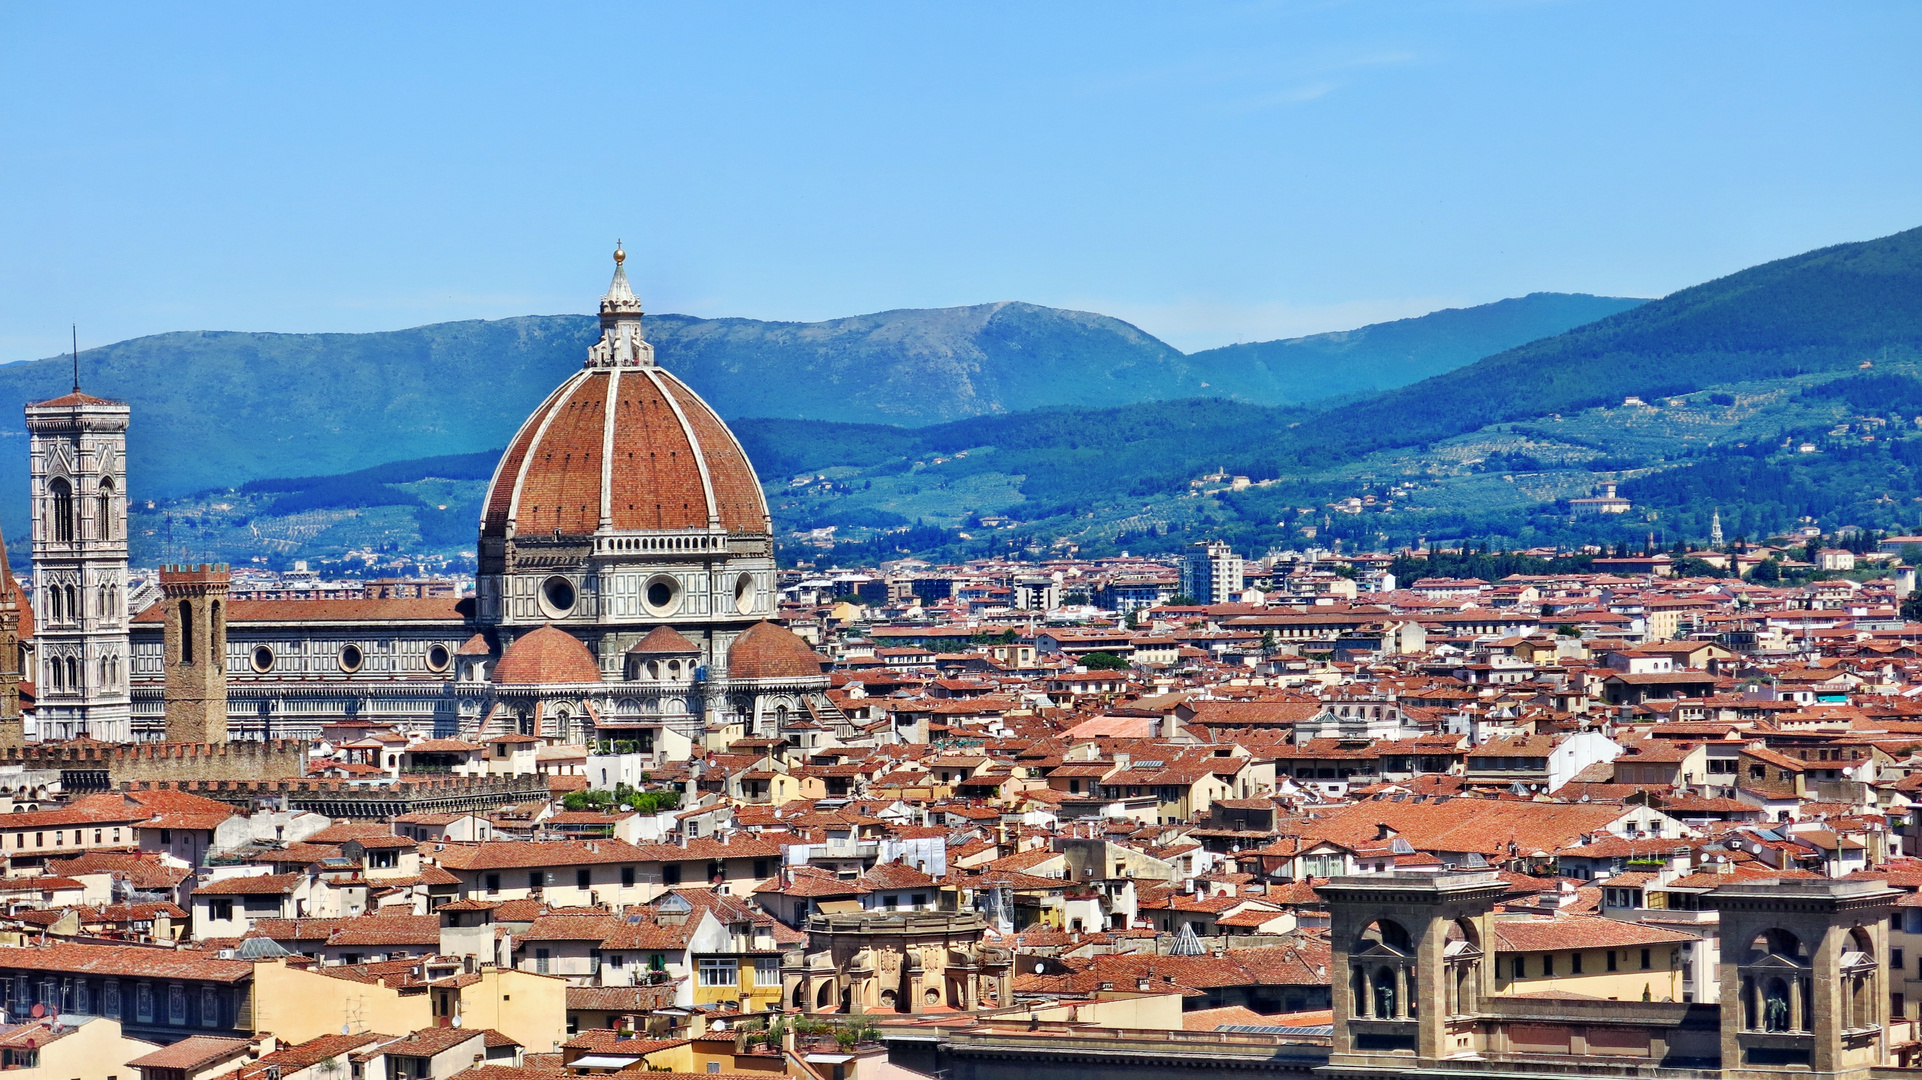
(103, 510)
(60, 494)
(186, 632)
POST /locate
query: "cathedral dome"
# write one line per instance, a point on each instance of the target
(767, 651)
(623, 445)
(545, 656)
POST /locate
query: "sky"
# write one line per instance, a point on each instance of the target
(1209, 172)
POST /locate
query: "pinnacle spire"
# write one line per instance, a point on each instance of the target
(621, 343)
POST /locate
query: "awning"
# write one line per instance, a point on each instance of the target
(602, 1061)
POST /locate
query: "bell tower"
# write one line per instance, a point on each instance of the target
(1412, 952)
(196, 652)
(1805, 976)
(78, 450)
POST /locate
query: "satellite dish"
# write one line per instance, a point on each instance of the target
(457, 1021)
(1039, 968)
(720, 1025)
(39, 1011)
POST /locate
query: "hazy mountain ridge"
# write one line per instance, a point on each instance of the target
(1383, 356)
(215, 409)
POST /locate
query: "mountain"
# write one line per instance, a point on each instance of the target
(1387, 355)
(1826, 310)
(259, 404)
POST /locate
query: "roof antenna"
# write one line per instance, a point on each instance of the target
(76, 357)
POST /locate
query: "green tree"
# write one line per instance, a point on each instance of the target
(1766, 571)
(1101, 661)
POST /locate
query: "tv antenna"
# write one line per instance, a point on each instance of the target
(76, 356)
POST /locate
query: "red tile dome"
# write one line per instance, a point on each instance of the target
(767, 651)
(621, 445)
(546, 656)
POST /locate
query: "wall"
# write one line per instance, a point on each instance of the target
(96, 1050)
(299, 1005)
(170, 761)
(1663, 979)
(530, 1009)
(1114, 1009)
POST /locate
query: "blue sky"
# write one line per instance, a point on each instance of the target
(1212, 173)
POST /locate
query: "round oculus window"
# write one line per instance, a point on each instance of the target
(557, 596)
(438, 658)
(661, 595)
(263, 659)
(744, 593)
(350, 658)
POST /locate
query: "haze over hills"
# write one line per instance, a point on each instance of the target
(1825, 310)
(1391, 354)
(1739, 375)
(317, 404)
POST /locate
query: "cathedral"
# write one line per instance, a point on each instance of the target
(625, 592)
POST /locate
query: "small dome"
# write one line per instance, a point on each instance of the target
(547, 656)
(663, 641)
(767, 651)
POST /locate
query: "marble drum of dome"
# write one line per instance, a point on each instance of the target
(623, 504)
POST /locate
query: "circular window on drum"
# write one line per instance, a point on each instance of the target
(661, 595)
(351, 658)
(438, 658)
(263, 659)
(744, 593)
(557, 596)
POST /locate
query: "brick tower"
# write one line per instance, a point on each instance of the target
(13, 613)
(196, 651)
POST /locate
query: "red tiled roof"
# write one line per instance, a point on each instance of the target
(391, 609)
(547, 655)
(767, 651)
(661, 434)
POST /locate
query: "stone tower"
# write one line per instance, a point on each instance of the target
(13, 620)
(196, 652)
(78, 450)
(1413, 953)
(1805, 975)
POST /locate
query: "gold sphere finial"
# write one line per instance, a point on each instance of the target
(619, 255)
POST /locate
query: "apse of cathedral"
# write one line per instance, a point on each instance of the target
(625, 588)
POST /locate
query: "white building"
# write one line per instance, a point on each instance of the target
(1212, 574)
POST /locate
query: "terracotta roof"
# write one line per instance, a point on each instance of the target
(663, 640)
(125, 960)
(547, 655)
(767, 651)
(392, 609)
(192, 1052)
(475, 646)
(430, 1041)
(660, 436)
(250, 886)
(75, 398)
